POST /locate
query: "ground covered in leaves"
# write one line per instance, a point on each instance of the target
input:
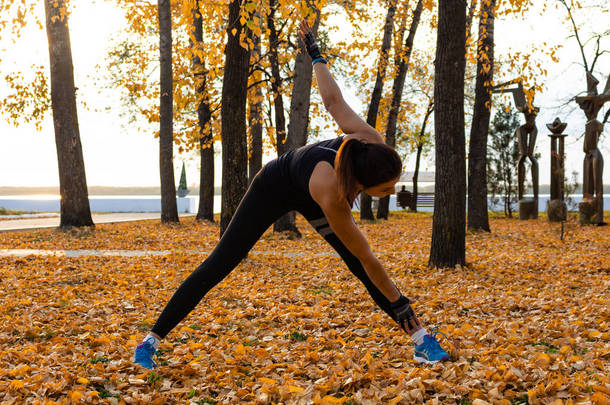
(528, 319)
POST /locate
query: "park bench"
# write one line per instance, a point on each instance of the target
(404, 199)
(425, 199)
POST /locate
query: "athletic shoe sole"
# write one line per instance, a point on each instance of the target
(422, 360)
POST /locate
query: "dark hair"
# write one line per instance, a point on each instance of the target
(367, 163)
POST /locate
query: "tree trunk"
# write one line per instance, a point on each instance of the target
(206, 178)
(204, 114)
(276, 81)
(233, 122)
(399, 83)
(74, 203)
(478, 218)
(169, 207)
(449, 220)
(301, 95)
(509, 192)
(420, 147)
(299, 120)
(288, 221)
(366, 211)
(469, 18)
(255, 153)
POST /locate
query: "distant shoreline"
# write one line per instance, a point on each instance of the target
(194, 191)
(94, 191)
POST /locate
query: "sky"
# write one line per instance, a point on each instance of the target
(116, 154)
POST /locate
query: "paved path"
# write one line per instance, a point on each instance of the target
(139, 253)
(25, 224)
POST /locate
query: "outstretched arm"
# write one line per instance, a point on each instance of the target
(323, 189)
(346, 118)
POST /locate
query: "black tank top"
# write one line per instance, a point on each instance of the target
(298, 164)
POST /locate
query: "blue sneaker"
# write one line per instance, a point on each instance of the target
(430, 351)
(144, 355)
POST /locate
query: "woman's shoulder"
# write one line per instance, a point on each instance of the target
(323, 183)
(368, 137)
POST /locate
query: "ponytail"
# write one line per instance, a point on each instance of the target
(344, 166)
(366, 163)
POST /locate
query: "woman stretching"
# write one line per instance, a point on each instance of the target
(320, 181)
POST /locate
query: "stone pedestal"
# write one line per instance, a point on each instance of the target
(528, 208)
(556, 210)
(588, 213)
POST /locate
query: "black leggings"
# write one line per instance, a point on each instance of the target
(267, 199)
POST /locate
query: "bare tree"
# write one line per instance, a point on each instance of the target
(588, 63)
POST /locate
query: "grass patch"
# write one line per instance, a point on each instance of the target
(322, 290)
(145, 326)
(99, 359)
(153, 377)
(104, 393)
(34, 335)
(549, 347)
(4, 211)
(520, 400)
(206, 400)
(296, 336)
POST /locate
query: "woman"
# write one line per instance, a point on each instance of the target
(321, 182)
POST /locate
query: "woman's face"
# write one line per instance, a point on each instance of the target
(383, 189)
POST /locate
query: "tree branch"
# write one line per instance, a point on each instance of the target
(257, 83)
(597, 52)
(582, 49)
(261, 57)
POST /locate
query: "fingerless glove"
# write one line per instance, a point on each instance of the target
(312, 49)
(403, 312)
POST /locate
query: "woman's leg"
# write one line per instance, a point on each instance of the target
(321, 225)
(427, 349)
(258, 209)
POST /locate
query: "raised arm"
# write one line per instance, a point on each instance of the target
(346, 118)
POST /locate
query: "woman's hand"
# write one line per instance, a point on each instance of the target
(405, 316)
(309, 40)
